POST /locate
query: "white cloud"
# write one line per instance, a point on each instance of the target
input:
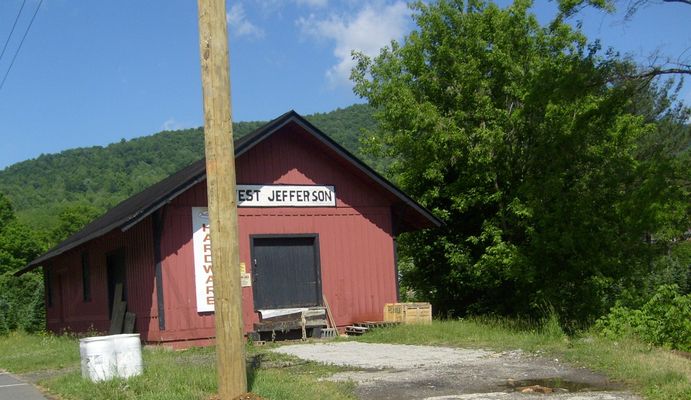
(171, 124)
(276, 7)
(312, 3)
(372, 28)
(239, 25)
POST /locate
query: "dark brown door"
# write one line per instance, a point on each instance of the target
(285, 271)
(117, 282)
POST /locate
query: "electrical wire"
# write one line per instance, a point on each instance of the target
(20, 44)
(12, 30)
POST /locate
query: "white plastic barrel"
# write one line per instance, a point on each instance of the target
(106, 357)
(97, 358)
(128, 354)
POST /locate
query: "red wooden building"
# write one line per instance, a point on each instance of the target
(313, 220)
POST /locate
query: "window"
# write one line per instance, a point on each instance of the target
(86, 277)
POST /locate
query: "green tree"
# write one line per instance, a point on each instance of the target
(19, 244)
(72, 219)
(6, 211)
(15, 241)
(21, 298)
(667, 152)
(516, 137)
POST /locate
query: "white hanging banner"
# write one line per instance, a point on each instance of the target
(203, 271)
(286, 196)
(203, 275)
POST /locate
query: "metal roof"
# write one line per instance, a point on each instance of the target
(134, 209)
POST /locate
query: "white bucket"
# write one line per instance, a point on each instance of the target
(97, 358)
(128, 354)
(106, 357)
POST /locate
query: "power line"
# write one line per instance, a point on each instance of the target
(12, 31)
(20, 44)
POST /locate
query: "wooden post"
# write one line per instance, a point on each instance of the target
(220, 182)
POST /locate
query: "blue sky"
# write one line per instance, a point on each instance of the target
(95, 72)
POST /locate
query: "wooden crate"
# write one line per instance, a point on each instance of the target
(408, 313)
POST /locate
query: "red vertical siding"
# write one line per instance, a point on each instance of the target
(356, 247)
(70, 311)
(355, 238)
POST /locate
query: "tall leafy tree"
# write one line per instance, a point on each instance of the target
(516, 137)
(71, 219)
(6, 211)
(667, 150)
(21, 298)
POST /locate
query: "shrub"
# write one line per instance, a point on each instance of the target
(4, 307)
(21, 302)
(665, 320)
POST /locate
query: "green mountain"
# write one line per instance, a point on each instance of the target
(100, 177)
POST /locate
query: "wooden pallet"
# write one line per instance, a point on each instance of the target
(376, 324)
(360, 328)
(408, 313)
(353, 330)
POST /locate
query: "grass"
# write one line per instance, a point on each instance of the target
(286, 377)
(188, 374)
(656, 373)
(167, 375)
(20, 352)
(487, 333)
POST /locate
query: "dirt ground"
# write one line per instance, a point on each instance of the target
(388, 371)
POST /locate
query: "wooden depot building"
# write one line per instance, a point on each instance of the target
(314, 223)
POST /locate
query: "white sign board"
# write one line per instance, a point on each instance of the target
(203, 276)
(286, 196)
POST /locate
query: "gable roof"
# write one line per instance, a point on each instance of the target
(134, 209)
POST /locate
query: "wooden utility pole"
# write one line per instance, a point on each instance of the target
(220, 182)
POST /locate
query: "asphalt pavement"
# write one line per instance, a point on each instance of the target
(13, 388)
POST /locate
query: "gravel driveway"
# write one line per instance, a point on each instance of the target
(390, 371)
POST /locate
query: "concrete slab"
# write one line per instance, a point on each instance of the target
(13, 388)
(403, 372)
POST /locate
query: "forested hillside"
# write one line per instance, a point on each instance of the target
(95, 178)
